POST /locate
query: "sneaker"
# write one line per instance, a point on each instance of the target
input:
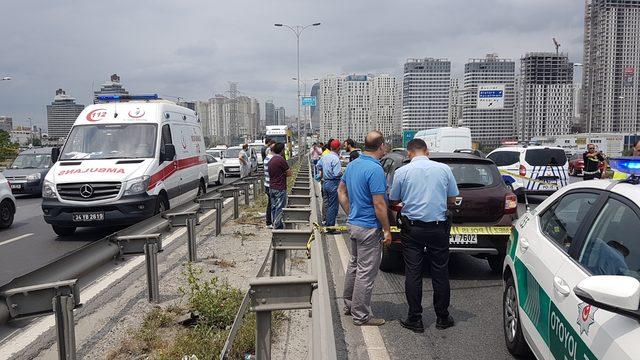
(372, 322)
(269, 226)
(346, 311)
(415, 326)
(442, 323)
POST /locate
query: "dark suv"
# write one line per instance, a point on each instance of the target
(481, 218)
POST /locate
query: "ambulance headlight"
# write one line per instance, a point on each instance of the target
(48, 190)
(136, 186)
(627, 165)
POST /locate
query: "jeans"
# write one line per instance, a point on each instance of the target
(414, 240)
(278, 202)
(330, 188)
(268, 210)
(314, 168)
(366, 248)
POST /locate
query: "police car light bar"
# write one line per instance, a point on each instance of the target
(128, 97)
(627, 165)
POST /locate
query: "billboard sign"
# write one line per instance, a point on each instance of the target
(407, 135)
(308, 101)
(629, 74)
(490, 96)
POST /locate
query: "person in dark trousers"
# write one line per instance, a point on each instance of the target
(278, 172)
(350, 146)
(331, 170)
(267, 146)
(425, 188)
(592, 160)
(362, 196)
(266, 157)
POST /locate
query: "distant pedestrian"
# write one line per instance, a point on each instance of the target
(592, 160)
(425, 188)
(266, 148)
(331, 170)
(350, 146)
(278, 172)
(265, 163)
(362, 196)
(245, 165)
(316, 151)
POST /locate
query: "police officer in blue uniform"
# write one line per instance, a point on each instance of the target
(425, 188)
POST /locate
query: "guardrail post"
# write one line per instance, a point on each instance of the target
(151, 261)
(218, 207)
(65, 327)
(263, 335)
(278, 261)
(236, 203)
(192, 238)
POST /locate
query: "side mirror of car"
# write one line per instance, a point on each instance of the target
(617, 294)
(55, 154)
(168, 153)
(508, 179)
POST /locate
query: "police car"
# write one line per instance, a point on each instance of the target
(572, 270)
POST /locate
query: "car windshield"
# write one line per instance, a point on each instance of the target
(474, 175)
(505, 158)
(232, 153)
(216, 153)
(31, 161)
(544, 157)
(117, 141)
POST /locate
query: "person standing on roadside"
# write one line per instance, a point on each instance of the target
(425, 188)
(278, 172)
(266, 148)
(331, 170)
(362, 196)
(350, 146)
(316, 151)
(265, 163)
(592, 160)
(244, 161)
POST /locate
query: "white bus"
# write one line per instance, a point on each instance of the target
(446, 139)
(281, 133)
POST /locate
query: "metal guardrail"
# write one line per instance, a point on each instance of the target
(280, 292)
(53, 288)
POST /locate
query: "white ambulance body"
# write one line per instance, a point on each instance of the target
(123, 162)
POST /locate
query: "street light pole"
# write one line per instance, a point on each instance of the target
(297, 30)
(304, 81)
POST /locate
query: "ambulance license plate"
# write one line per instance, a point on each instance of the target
(88, 216)
(463, 239)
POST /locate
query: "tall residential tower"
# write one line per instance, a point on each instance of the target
(425, 94)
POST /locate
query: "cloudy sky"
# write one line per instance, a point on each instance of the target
(192, 49)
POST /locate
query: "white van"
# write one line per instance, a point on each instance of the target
(446, 139)
(534, 169)
(124, 161)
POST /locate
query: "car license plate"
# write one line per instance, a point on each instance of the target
(548, 187)
(463, 239)
(16, 186)
(90, 216)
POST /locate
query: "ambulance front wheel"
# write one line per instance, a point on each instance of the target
(162, 204)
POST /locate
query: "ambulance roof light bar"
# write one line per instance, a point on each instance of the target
(146, 97)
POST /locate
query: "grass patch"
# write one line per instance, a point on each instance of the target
(253, 214)
(242, 235)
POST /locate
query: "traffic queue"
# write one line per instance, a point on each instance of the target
(570, 267)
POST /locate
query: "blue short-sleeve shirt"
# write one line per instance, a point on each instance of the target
(331, 167)
(423, 186)
(364, 178)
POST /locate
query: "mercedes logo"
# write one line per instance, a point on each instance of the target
(86, 191)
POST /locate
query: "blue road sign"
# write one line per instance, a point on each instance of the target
(308, 101)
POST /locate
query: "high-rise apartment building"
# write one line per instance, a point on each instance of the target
(269, 113)
(202, 111)
(111, 87)
(546, 95)
(489, 125)
(352, 105)
(219, 110)
(6, 123)
(455, 102)
(425, 97)
(314, 114)
(611, 66)
(61, 115)
(280, 116)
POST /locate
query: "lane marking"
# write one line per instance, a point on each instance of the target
(15, 239)
(35, 330)
(374, 343)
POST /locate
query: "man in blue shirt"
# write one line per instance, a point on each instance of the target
(331, 170)
(362, 196)
(425, 188)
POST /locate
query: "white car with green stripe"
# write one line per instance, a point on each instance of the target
(571, 288)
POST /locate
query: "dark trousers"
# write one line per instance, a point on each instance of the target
(268, 210)
(597, 175)
(436, 241)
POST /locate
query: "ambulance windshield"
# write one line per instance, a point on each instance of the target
(113, 141)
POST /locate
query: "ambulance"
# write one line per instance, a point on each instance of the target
(572, 272)
(124, 160)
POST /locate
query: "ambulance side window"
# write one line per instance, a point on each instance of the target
(166, 136)
(561, 221)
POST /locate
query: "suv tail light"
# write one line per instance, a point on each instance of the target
(510, 204)
(523, 170)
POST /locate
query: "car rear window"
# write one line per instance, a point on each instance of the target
(474, 175)
(504, 158)
(544, 157)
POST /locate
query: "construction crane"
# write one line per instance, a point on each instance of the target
(556, 44)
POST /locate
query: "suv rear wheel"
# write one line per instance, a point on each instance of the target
(64, 230)
(513, 337)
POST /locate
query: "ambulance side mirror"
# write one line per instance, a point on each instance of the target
(55, 154)
(617, 294)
